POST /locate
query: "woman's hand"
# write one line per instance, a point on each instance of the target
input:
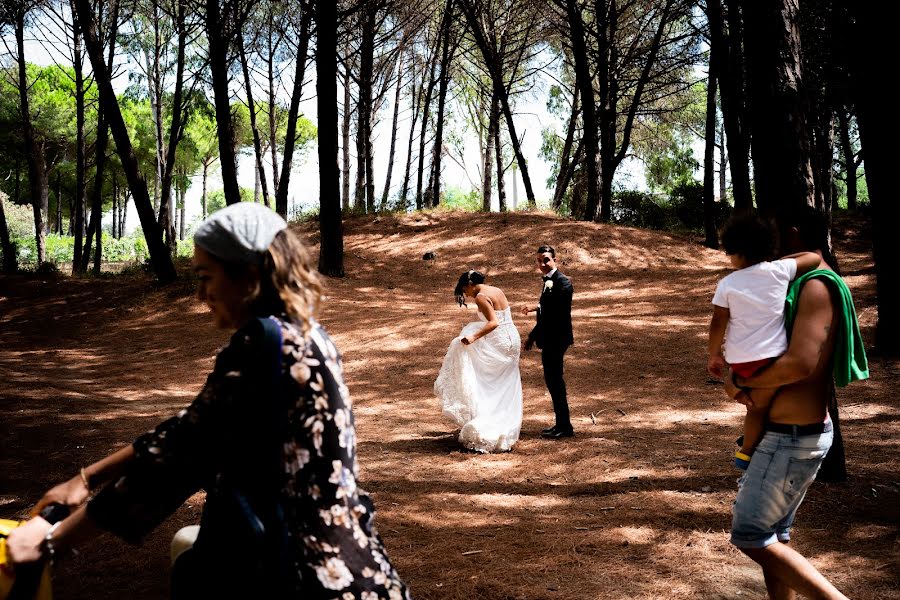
(25, 543)
(72, 493)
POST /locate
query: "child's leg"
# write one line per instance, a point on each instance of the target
(755, 419)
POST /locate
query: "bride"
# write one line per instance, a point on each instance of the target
(479, 385)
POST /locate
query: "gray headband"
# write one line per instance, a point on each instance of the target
(239, 233)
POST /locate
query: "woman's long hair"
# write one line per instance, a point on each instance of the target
(469, 277)
(288, 284)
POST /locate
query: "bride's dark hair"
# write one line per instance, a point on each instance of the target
(473, 277)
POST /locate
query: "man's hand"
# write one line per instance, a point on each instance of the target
(715, 365)
(466, 340)
(526, 310)
(734, 392)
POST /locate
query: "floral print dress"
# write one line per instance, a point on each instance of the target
(333, 547)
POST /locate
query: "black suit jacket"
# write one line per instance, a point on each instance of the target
(554, 316)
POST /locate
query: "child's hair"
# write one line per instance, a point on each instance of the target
(469, 277)
(749, 236)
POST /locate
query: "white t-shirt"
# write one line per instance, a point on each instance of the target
(755, 299)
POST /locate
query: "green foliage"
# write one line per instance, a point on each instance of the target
(640, 209)
(686, 199)
(670, 165)
(216, 200)
(456, 199)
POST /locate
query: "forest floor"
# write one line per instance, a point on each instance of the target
(636, 505)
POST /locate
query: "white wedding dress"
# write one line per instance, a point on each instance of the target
(479, 386)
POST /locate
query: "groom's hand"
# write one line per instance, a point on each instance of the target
(525, 310)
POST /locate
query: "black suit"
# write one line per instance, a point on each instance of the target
(553, 335)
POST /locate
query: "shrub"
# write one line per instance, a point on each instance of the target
(640, 209)
(686, 200)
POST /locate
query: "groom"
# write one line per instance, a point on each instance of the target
(553, 335)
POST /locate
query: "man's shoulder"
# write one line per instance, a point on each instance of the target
(815, 292)
(559, 276)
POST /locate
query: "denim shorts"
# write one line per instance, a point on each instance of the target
(769, 493)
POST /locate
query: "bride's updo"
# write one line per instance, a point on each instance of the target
(469, 277)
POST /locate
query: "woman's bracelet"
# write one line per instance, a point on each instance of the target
(49, 550)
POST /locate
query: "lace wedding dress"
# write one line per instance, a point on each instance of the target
(479, 386)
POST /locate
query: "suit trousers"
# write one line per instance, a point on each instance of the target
(552, 360)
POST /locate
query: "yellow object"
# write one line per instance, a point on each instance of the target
(742, 456)
(44, 591)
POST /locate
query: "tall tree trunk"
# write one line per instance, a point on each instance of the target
(98, 252)
(176, 130)
(364, 109)
(730, 68)
(218, 66)
(426, 110)
(723, 161)
(778, 121)
(59, 219)
(181, 214)
(100, 155)
(849, 158)
(433, 195)
(872, 42)
(390, 164)
(273, 130)
(34, 156)
(79, 261)
(9, 249)
(159, 256)
(257, 142)
(290, 138)
(416, 101)
(203, 192)
(331, 248)
(562, 178)
(345, 132)
(501, 185)
(490, 145)
(709, 158)
(585, 86)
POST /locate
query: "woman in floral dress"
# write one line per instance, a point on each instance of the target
(271, 441)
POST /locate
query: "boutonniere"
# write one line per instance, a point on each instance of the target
(548, 285)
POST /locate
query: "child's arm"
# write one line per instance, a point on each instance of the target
(754, 424)
(715, 361)
(806, 262)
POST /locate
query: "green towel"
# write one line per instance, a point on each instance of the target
(849, 353)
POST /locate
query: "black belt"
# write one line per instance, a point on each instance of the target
(811, 429)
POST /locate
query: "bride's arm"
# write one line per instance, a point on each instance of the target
(487, 309)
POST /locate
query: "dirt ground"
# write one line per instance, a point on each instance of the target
(637, 505)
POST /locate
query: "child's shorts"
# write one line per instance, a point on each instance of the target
(749, 369)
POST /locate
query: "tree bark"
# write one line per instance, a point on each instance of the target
(426, 110)
(34, 156)
(290, 138)
(415, 106)
(490, 145)
(79, 264)
(730, 68)
(218, 66)
(709, 158)
(176, 129)
(778, 120)
(331, 249)
(501, 185)
(345, 132)
(159, 256)
(251, 106)
(849, 158)
(565, 159)
(9, 249)
(585, 86)
(390, 164)
(433, 196)
(873, 40)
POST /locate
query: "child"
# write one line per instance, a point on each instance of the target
(750, 304)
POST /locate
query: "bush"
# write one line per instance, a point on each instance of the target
(640, 209)
(455, 199)
(686, 200)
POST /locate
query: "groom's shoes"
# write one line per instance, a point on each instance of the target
(556, 433)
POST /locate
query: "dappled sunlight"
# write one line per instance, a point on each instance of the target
(636, 505)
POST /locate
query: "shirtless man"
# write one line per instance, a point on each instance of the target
(798, 432)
